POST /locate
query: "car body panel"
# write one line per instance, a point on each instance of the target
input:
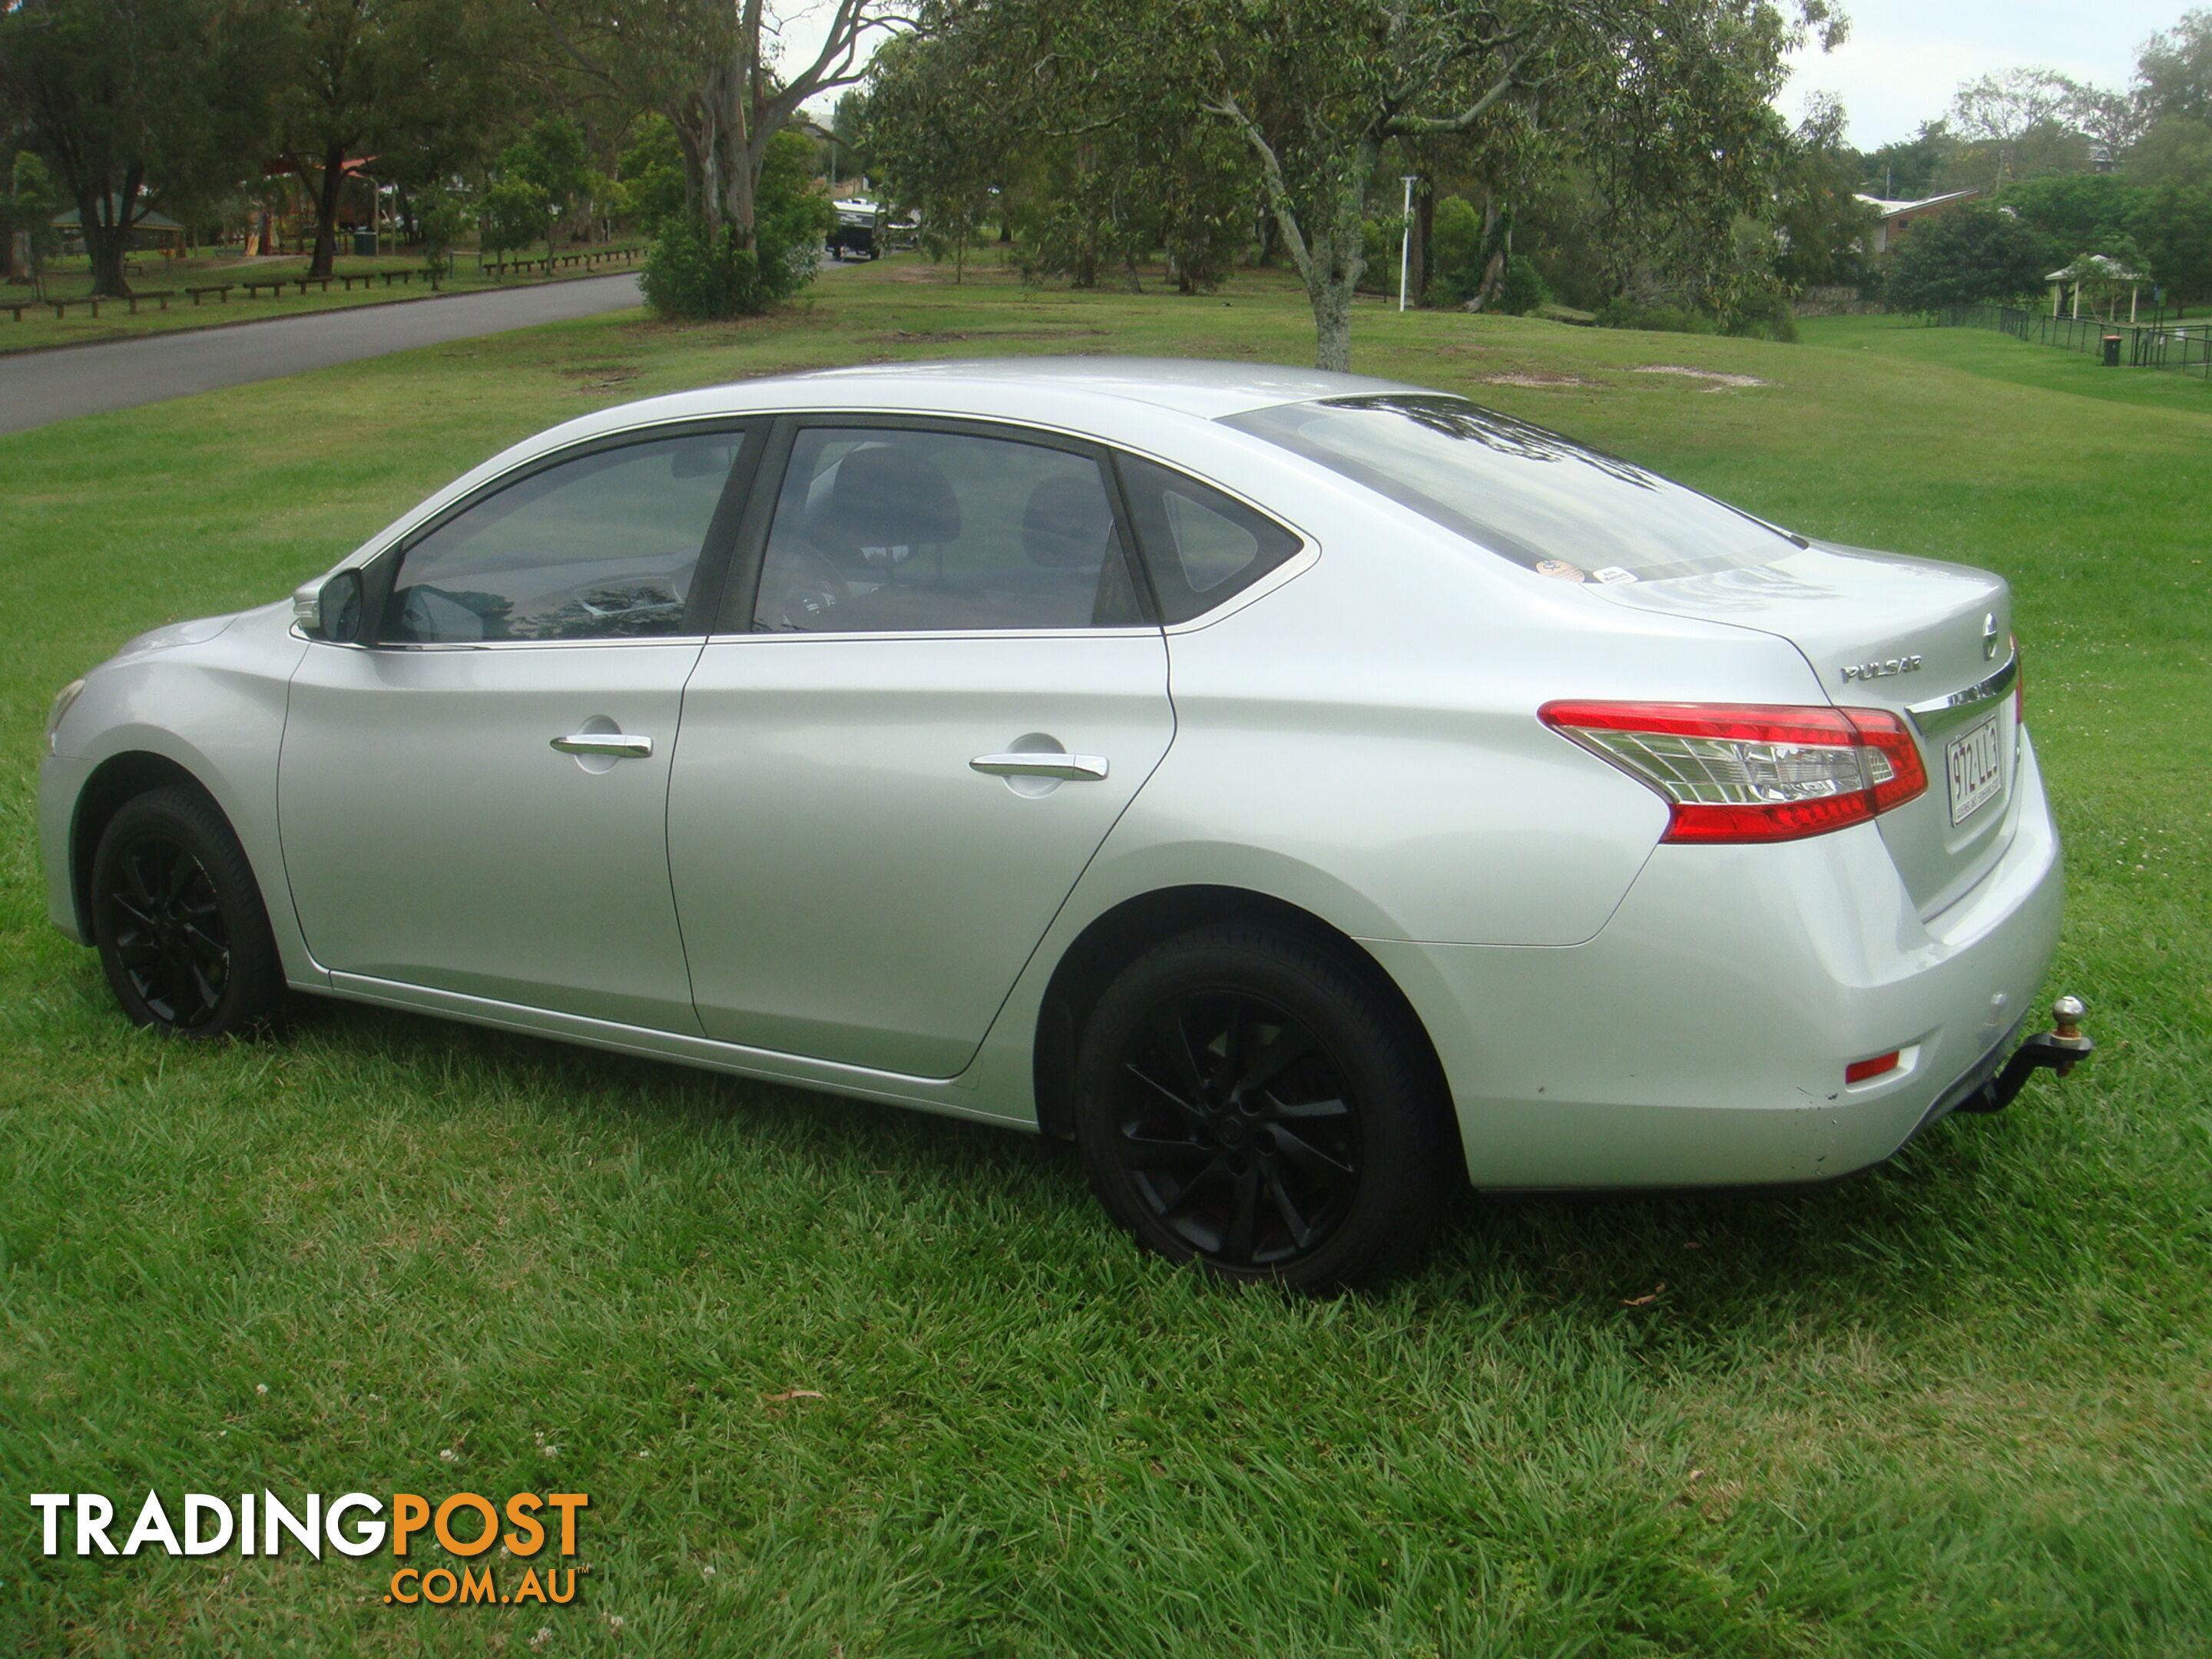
(434, 837)
(209, 697)
(819, 773)
(1701, 1038)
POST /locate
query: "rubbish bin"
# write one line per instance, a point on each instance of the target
(364, 244)
(2112, 351)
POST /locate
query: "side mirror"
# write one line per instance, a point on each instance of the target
(331, 609)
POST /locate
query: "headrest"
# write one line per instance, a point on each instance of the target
(1068, 522)
(882, 496)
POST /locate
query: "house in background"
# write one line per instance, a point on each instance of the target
(1899, 217)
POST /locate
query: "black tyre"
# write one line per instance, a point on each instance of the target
(179, 920)
(1246, 1098)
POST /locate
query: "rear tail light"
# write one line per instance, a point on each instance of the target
(1752, 772)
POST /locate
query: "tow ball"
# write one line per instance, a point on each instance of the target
(2061, 1048)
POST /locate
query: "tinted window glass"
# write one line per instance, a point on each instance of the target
(1201, 545)
(601, 547)
(1540, 500)
(896, 531)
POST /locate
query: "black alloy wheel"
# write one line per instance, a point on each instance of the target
(179, 920)
(1237, 1129)
(1250, 1100)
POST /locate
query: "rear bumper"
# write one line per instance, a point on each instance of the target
(1700, 1039)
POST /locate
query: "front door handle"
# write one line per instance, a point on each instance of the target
(620, 745)
(1074, 768)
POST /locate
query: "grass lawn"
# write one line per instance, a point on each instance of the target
(36, 330)
(1959, 1405)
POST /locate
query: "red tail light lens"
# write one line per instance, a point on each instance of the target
(1752, 772)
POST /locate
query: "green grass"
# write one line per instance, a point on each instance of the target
(1998, 356)
(36, 330)
(1956, 1406)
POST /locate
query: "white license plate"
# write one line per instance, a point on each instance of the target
(1977, 771)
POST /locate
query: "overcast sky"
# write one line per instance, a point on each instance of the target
(1899, 67)
(1904, 58)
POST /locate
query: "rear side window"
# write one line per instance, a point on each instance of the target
(1531, 495)
(902, 530)
(1202, 547)
(601, 546)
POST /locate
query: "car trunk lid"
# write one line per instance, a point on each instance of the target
(1929, 641)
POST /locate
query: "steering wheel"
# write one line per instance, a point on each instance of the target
(807, 590)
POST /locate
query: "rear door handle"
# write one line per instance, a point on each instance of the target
(619, 744)
(1074, 768)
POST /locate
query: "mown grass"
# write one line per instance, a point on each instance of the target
(1957, 1407)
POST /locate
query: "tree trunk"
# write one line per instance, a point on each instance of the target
(1424, 225)
(105, 242)
(1332, 310)
(327, 208)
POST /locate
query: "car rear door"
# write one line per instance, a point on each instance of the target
(474, 801)
(937, 690)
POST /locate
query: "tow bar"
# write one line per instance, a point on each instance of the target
(2061, 1048)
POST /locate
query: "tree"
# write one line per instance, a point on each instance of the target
(651, 192)
(2029, 120)
(511, 214)
(1823, 227)
(26, 209)
(708, 66)
(442, 216)
(549, 159)
(703, 274)
(2174, 75)
(2077, 212)
(2172, 226)
(126, 99)
(1972, 253)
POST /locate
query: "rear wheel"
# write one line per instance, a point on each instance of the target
(1245, 1098)
(179, 920)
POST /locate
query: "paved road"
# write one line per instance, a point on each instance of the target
(39, 387)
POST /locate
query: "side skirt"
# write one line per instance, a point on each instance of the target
(948, 1096)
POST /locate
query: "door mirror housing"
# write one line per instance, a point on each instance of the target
(331, 608)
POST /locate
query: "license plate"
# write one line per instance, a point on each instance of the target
(1977, 772)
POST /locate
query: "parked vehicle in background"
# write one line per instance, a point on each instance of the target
(1305, 793)
(856, 233)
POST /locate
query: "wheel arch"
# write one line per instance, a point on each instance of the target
(117, 780)
(1118, 936)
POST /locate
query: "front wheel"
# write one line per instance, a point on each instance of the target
(179, 920)
(1245, 1098)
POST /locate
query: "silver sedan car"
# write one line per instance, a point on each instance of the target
(1303, 792)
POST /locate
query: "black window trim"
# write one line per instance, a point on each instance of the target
(741, 591)
(1243, 593)
(380, 572)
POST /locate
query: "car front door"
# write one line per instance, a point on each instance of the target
(938, 689)
(474, 801)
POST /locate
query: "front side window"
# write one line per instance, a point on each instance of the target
(1531, 495)
(602, 546)
(899, 530)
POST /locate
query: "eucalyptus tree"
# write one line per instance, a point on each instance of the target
(1322, 93)
(711, 68)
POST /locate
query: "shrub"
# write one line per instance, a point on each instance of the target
(1523, 290)
(1455, 251)
(703, 275)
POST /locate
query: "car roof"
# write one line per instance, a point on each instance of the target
(980, 387)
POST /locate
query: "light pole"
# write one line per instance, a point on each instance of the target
(1405, 240)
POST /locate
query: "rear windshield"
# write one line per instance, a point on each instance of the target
(1540, 500)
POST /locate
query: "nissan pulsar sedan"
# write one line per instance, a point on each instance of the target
(1303, 792)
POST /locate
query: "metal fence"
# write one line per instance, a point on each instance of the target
(2187, 347)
